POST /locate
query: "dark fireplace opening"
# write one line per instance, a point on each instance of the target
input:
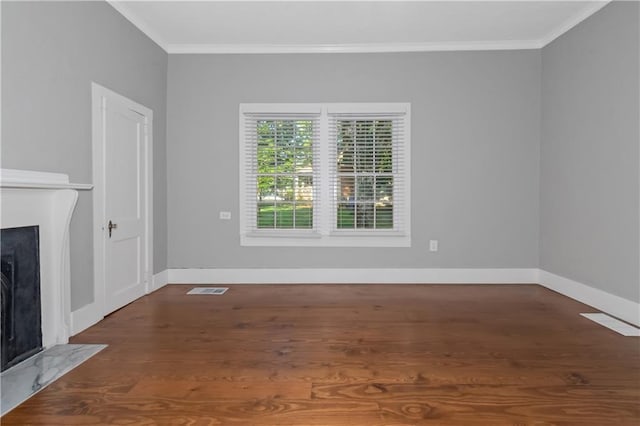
(21, 309)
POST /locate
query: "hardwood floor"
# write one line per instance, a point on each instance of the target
(348, 355)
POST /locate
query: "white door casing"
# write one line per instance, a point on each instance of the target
(122, 174)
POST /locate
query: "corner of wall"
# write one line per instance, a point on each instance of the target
(619, 307)
(159, 280)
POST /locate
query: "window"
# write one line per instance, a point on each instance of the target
(324, 174)
(284, 178)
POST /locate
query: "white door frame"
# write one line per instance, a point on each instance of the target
(98, 93)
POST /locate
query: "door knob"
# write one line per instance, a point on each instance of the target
(111, 227)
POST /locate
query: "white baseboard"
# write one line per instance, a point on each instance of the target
(159, 280)
(84, 318)
(353, 276)
(616, 306)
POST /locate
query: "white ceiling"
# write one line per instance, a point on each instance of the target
(353, 26)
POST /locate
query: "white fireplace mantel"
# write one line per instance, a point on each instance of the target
(27, 179)
(29, 198)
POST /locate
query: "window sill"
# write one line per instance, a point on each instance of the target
(336, 239)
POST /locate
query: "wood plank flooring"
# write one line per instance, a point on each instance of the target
(348, 355)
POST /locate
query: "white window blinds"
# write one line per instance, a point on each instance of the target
(368, 172)
(325, 174)
(281, 172)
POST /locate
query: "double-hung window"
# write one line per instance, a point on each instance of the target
(325, 174)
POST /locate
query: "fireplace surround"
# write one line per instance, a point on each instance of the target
(45, 200)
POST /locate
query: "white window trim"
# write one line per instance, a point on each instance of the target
(323, 235)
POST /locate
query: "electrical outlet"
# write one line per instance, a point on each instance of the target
(433, 245)
(225, 215)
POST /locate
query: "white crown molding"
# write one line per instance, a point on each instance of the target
(179, 48)
(350, 48)
(124, 10)
(588, 10)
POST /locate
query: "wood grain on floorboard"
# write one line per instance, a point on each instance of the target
(348, 355)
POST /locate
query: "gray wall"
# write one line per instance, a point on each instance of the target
(589, 152)
(50, 54)
(484, 157)
(475, 153)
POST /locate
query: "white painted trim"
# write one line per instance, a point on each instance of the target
(1, 86)
(29, 179)
(64, 262)
(85, 317)
(160, 280)
(326, 240)
(616, 306)
(638, 122)
(50, 210)
(10, 176)
(205, 48)
(350, 47)
(138, 22)
(97, 133)
(79, 186)
(574, 20)
(148, 199)
(98, 93)
(353, 276)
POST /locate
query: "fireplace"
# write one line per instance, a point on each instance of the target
(21, 306)
(39, 204)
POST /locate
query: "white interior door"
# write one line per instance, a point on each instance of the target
(124, 143)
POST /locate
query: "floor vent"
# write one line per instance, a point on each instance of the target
(208, 290)
(613, 324)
